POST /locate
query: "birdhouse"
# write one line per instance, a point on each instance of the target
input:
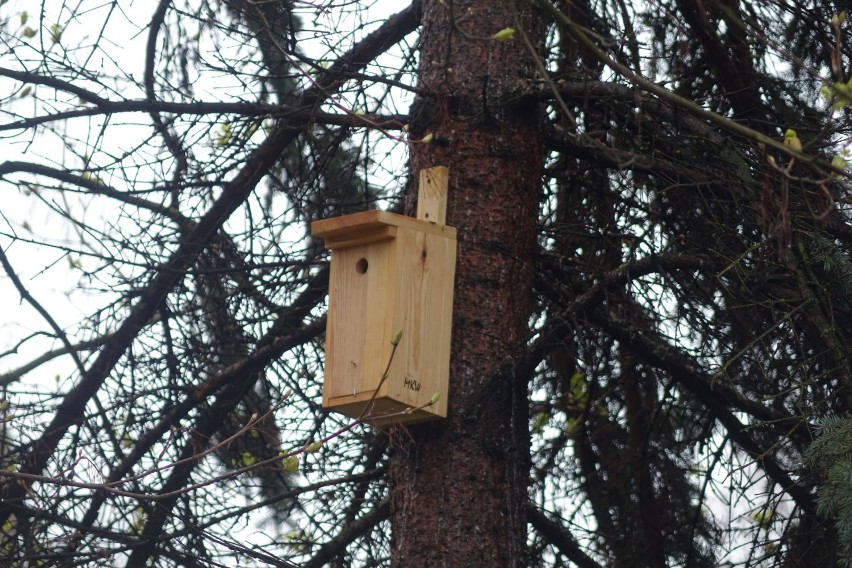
(390, 274)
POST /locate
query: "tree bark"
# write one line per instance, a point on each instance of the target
(459, 486)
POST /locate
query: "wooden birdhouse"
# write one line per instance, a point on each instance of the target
(389, 274)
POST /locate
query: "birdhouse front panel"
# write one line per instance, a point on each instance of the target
(358, 291)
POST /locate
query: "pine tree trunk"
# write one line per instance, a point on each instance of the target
(459, 486)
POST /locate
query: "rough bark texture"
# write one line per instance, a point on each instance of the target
(460, 485)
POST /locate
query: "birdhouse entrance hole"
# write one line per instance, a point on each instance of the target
(361, 265)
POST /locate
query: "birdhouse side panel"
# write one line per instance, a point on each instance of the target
(423, 310)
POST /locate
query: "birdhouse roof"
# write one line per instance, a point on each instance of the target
(340, 232)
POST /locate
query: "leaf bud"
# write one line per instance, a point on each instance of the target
(506, 34)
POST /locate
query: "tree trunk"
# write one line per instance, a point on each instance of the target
(459, 486)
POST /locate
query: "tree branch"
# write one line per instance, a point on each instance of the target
(556, 534)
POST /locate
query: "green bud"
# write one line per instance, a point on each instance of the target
(791, 140)
(396, 338)
(290, 464)
(506, 34)
(55, 33)
(247, 459)
(223, 135)
(763, 518)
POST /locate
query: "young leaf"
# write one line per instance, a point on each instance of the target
(290, 464)
(791, 140)
(55, 33)
(396, 338)
(247, 459)
(506, 34)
